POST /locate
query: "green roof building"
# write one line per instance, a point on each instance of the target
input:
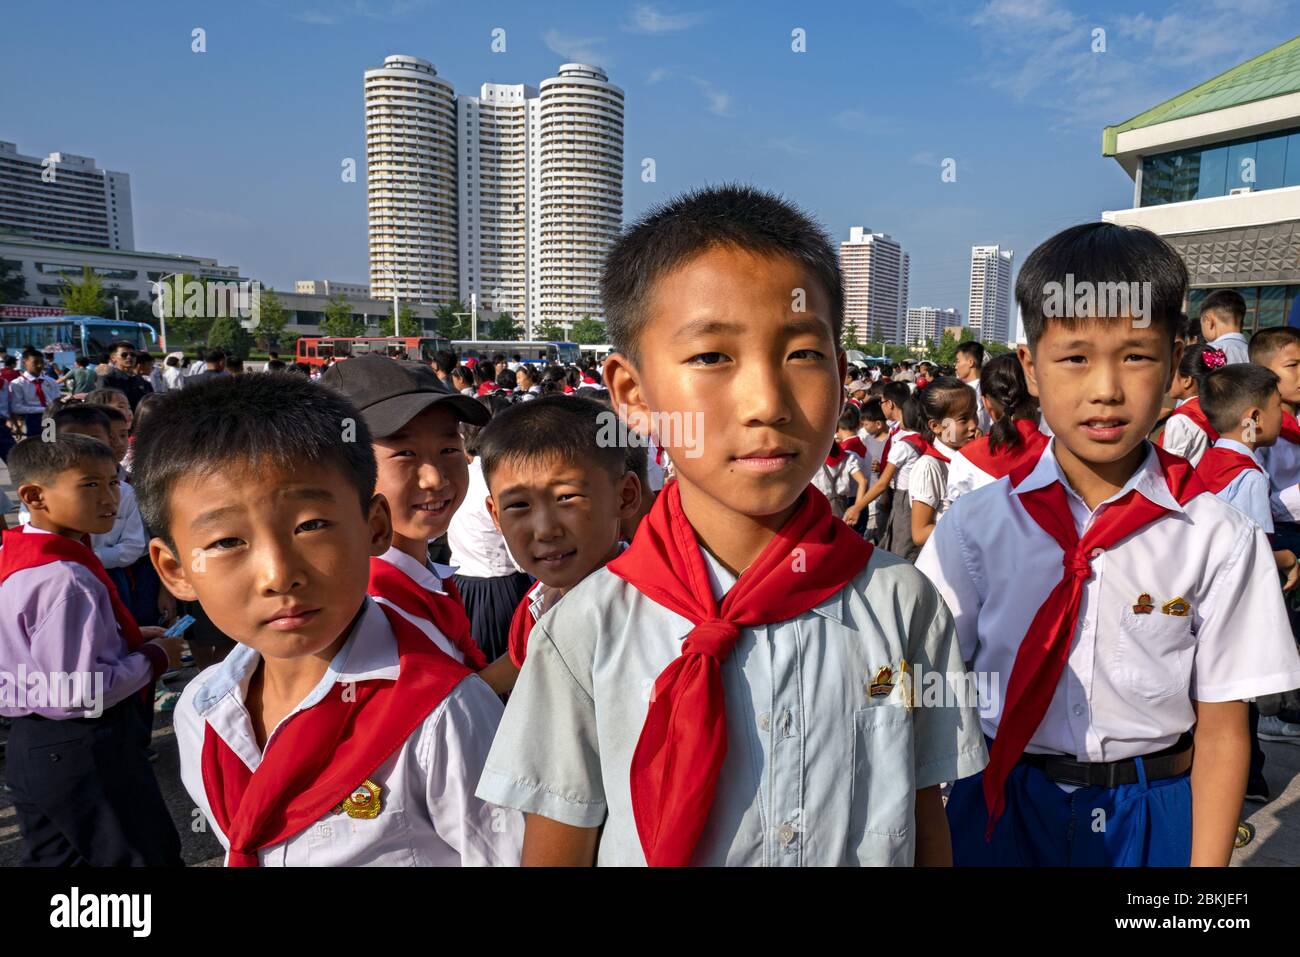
(1216, 171)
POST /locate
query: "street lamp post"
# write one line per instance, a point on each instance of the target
(397, 323)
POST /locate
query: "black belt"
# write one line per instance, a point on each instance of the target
(1171, 762)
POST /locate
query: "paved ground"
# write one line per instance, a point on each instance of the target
(1277, 841)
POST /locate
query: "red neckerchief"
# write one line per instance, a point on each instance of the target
(1008, 457)
(889, 441)
(675, 767)
(486, 388)
(1192, 409)
(855, 446)
(323, 752)
(1219, 466)
(521, 626)
(1290, 428)
(447, 612)
(923, 447)
(1045, 649)
(836, 455)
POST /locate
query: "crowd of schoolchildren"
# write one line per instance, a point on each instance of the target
(451, 613)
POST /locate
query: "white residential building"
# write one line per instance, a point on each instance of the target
(927, 322)
(328, 287)
(62, 198)
(498, 189)
(990, 293)
(411, 181)
(875, 272)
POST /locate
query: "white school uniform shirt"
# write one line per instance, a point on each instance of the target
(173, 378)
(1248, 492)
(1282, 462)
(23, 399)
(903, 457)
(817, 772)
(929, 480)
(1184, 437)
(478, 548)
(1233, 345)
(429, 817)
(1130, 680)
(429, 577)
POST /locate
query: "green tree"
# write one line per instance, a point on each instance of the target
(587, 332)
(85, 298)
(450, 325)
(408, 323)
(503, 328)
(228, 334)
(13, 287)
(339, 320)
(850, 339)
(548, 331)
(945, 352)
(271, 318)
(995, 348)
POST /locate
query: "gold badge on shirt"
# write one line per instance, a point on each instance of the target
(363, 802)
(1145, 605)
(1178, 607)
(882, 685)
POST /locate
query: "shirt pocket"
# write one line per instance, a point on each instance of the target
(1154, 653)
(883, 795)
(383, 840)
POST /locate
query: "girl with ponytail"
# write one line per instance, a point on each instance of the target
(1187, 431)
(1014, 436)
(946, 418)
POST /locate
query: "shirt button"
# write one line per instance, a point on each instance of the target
(1078, 709)
(765, 721)
(785, 834)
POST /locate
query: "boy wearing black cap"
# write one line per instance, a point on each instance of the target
(414, 424)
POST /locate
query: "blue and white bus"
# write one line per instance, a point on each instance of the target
(75, 335)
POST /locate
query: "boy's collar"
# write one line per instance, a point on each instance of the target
(369, 653)
(1235, 445)
(1148, 479)
(721, 580)
(430, 578)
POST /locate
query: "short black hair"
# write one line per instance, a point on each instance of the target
(1267, 343)
(87, 416)
(11, 361)
(1228, 392)
(506, 379)
(850, 418)
(81, 361)
(35, 460)
(871, 411)
(556, 426)
(1225, 301)
(274, 365)
(120, 344)
(214, 356)
(896, 392)
(277, 419)
(444, 359)
(1105, 257)
(101, 396)
(690, 224)
(974, 349)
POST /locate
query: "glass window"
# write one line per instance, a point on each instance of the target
(1242, 169)
(1213, 172)
(1270, 162)
(1251, 295)
(1272, 299)
(1293, 305)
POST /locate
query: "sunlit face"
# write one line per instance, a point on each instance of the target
(1269, 421)
(960, 423)
(725, 346)
(1286, 363)
(1100, 384)
(35, 365)
(964, 365)
(278, 558)
(560, 520)
(123, 358)
(423, 474)
(79, 500)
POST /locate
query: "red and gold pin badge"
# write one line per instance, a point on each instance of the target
(1145, 605)
(363, 802)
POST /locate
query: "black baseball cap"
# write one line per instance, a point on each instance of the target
(391, 392)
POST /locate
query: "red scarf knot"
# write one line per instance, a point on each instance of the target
(713, 639)
(1078, 563)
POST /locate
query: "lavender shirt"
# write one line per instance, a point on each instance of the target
(61, 654)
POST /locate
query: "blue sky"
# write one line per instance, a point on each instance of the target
(235, 153)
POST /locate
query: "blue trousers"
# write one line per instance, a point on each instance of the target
(1146, 824)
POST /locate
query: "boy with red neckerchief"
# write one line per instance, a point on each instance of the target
(735, 688)
(84, 793)
(1110, 659)
(1278, 350)
(337, 732)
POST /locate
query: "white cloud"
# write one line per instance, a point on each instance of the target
(719, 100)
(576, 49)
(646, 18)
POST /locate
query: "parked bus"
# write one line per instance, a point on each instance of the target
(566, 352)
(600, 353)
(88, 336)
(317, 350)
